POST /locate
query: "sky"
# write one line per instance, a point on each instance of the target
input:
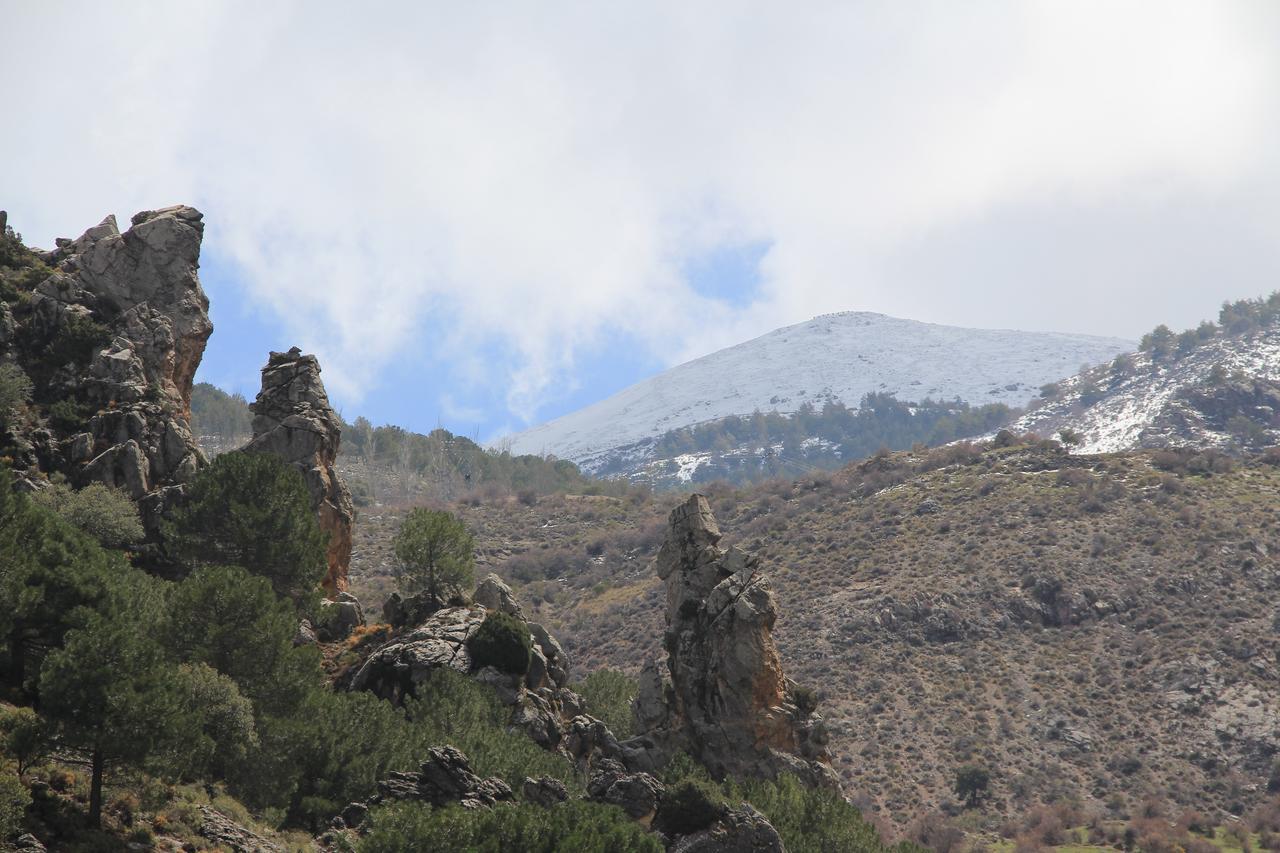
(484, 215)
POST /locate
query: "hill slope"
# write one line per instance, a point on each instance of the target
(1091, 628)
(1223, 393)
(835, 357)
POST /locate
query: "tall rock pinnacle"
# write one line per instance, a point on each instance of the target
(292, 419)
(727, 701)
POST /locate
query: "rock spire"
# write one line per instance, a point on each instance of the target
(292, 419)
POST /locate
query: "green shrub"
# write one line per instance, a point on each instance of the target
(15, 389)
(503, 642)
(104, 513)
(689, 806)
(14, 800)
(22, 736)
(812, 820)
(69, 415)
(805, 699)
(609, 694)
(77, 341)
(579, 827)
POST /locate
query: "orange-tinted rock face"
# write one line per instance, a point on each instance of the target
(727, 700)
(293, 420)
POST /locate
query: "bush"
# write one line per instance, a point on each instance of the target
(609, 694)
(689, 806)
(15, 389)
(503, 642)
(14, 800)
(69, 415)
(104, 513)
(805, 699)
(580, 827)
(77, 341)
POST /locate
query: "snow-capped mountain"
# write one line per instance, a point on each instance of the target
(1224, 393)
(834, 357)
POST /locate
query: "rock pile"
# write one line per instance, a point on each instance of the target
(292, 419)
(723, 697)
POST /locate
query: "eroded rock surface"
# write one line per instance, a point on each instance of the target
(114, 336)
(724, 697)
(292, 419)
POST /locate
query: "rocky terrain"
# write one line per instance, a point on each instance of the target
(101, 338)
(832, 358)
(1098, 629)
(1224, 393)
(109, 328)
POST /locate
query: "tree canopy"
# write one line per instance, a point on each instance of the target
(435, 550)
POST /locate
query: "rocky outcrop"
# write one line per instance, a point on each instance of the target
(229, 835)
(724, 697)
(113, 337)
(637, 794)
(740, 830)
(292, 419)
(444, 779)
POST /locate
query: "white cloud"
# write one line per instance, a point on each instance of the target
(532, 176)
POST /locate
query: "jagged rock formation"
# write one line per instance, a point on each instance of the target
(113, 336)
(541, 703)
(727, 701)
(292, 418)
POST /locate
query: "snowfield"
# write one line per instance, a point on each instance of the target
(835, 357)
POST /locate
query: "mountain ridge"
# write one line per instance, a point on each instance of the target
(808, 363)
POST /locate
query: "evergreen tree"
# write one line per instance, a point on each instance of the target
(435, 550)
(110, 694)
(253, 510)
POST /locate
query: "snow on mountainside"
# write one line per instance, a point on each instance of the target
(1223, 394)
(835, 357)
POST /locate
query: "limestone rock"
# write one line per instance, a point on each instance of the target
(545, 791)
(444, 778)
(223, 831)
(339, 617)
(494, 594)
(742, 830)
(728, 703)
(306, 635)
(394, 670)
(139, 290)
(292, 419)
(638, 794)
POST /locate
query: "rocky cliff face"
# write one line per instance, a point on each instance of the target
(111, 337)
(724, 697)
(292, 418)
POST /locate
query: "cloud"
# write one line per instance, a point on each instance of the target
(436, 180)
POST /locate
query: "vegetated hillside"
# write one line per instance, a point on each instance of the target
(744, 450)
(832, 358)
(1217, 385)
(391, 464)
(1091, 628)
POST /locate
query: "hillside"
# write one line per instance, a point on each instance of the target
(1094, 629)
(1215, 386)
(832, 358)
